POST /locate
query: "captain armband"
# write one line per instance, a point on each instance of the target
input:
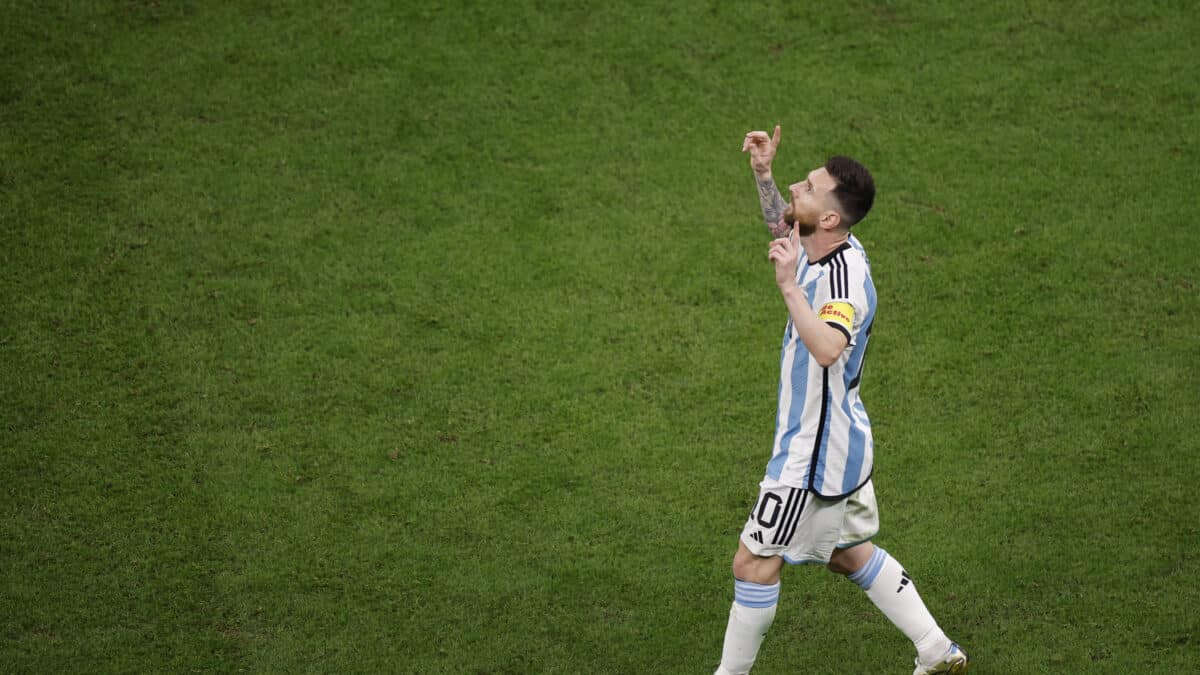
(839, 315)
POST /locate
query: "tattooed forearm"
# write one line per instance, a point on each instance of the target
(771, 201)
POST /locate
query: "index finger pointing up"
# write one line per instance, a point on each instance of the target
(775, 137)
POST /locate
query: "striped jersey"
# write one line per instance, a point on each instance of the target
(822, 434)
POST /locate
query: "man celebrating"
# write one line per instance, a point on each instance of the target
(816, 503)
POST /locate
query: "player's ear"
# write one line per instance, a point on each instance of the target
(831, 219)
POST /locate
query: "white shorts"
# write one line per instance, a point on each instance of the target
(800, 527)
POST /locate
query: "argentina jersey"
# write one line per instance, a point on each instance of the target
(822, 433)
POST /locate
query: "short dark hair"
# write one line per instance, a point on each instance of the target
(855, 191)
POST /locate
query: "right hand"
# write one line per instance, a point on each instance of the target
(785, 253)
(762, 150)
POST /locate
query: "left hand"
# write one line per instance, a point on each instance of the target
(762, 150)
(785, 253)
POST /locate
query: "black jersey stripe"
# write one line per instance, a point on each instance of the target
(821, 430)
(839, 275)
(834, 264)
(787, 514)
(843, 277)
(791, 528)
(863, 362)
(789, 517)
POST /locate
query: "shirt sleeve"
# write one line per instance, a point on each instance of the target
(844, 302)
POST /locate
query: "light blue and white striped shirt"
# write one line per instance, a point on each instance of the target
(822, 433)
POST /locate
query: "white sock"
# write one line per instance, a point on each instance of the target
(750, 616)
(894, 593)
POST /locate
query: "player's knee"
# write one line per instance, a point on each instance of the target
(840, 563)
(755, 569)
(743, 566)
(847, 561)
(838, 566)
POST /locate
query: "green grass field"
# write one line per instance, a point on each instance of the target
(360, 337)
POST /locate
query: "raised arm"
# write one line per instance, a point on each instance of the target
(762, 151)
(772, 204)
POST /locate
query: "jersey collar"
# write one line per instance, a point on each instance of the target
(832, 254)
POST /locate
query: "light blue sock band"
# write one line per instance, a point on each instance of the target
(866, 576)
(749, 594)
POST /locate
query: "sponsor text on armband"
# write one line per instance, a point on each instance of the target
(841, 313)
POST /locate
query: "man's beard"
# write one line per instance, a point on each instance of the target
(803, 229)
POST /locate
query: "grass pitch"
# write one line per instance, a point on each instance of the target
(377, 338)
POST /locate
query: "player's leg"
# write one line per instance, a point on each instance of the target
(756, 567)
(892, 591)
(755, 597)
(891, 588)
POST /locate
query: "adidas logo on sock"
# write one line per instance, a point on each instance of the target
(904, 580)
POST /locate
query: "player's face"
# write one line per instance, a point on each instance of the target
(811, 199)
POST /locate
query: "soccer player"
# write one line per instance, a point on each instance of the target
(816, 503)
